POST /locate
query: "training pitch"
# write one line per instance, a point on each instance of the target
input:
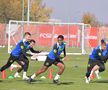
(72, 79)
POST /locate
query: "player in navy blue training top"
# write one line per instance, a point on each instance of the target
(53, 58)
(97, 59)
(23, 58)
(17, 51)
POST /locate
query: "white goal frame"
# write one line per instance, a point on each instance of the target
(50, 23)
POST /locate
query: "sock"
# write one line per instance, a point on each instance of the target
(97, 73)
(16, 73)
(91, 73)
(33, 76)
(57, 77)
(24, 74)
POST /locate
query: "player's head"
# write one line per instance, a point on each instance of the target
(103, 44)
(32, 42)
(27, 36)
(60, 39)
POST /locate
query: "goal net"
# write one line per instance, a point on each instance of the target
(45, 34)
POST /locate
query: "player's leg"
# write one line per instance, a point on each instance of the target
(47, 63)
(19, 70)
(95, 68)
(100, 67)
(61, 67)
(40, 71)
(97, 74)
(24, 62)
(24, 66)
(8, 64)
(17, 74)
(14, 66)
(89, 68)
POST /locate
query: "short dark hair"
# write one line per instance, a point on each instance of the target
(60, 36)
(32, 40)
(103, 41)
(27, 33)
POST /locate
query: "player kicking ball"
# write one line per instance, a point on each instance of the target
(53, 58)
(96, 60)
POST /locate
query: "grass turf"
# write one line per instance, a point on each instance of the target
(72, 79)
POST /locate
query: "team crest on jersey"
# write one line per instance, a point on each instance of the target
(99, 54)
(22, 47)
(60, 48)
(55, 51)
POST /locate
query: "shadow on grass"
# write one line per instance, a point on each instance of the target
(64, 83)
(101, 81)
(1, 80)
(61, 83)
(32, 81)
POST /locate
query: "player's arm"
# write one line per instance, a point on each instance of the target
(34, 51)
(65, 58)
(64, 51)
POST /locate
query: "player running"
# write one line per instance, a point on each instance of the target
(105, 58)
(24, 60)
(53, 58)
(96, 60)
(17, 51)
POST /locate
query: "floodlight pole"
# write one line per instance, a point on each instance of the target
(22, 19)
(22, 10)
(28, 12)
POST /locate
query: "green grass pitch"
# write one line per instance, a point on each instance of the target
(72, 78)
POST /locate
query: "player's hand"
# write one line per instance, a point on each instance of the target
(34, 57)
(65, 59)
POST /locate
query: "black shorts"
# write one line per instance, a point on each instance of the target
(92, 63)
(48, 62)
(23, 58)
(12, 59)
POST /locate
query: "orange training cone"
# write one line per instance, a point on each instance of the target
(92, 77)
(50, 76)
(4, 74)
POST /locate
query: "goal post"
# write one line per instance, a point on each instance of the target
(45, 34)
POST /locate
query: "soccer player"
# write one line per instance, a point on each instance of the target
(96, 60)
(53, 58)
(24, 60)
(105, 58)
(17, 51)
